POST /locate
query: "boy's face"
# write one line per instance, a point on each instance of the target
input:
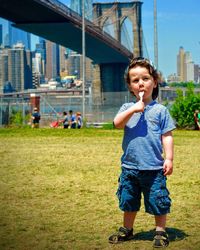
(141, 80)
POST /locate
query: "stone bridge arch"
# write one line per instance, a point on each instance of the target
(110, 77)
(117, 12)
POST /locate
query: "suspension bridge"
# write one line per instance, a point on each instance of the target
(56, 22)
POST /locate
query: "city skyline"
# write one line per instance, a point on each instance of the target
(176, 25)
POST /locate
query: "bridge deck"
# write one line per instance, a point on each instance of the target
(56, 22)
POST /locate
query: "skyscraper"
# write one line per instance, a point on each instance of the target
(197, 73)
(19, 36)
(189, 67)
(52, 60)
(185, 66)
(19, 67)
(1, 34)
(180, 64)
(41, 49)
(3, 68)
(63, 58)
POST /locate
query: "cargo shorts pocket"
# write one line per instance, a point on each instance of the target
(163, 200)
(119, 190)
(124, 176)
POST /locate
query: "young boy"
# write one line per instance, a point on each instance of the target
(35, 118)
(147, 131)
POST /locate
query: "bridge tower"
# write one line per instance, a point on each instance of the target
(111, 76)
(117, 13)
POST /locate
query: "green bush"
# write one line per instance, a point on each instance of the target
(184, 84)
(18, 120)
(184, 106)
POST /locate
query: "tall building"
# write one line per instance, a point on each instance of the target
(52, 60)
(180, 64)
(74, 62)
(16, 68)
(19, 36)
(28, 69)
(37, 69)
(197, 73)
(1, 34)
(37, 63)
(41, 49)
(189, 67)
(20, 67)
(63, 59)
(3, 68)
(6, 40)
(185, 66)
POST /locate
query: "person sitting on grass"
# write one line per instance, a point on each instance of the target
(79, 120)
(147, 131)
(65, 120)
(72, 119)
(197, 119)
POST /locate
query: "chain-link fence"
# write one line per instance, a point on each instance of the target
(52, 106)
(10, 106)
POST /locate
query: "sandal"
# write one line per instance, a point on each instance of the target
(123, 234)
(160, 239)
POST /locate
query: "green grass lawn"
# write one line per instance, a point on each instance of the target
(57, 191)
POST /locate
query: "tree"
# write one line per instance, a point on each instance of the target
(183, 108)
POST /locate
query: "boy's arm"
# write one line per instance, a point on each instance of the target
(168, 147)
(122, 118)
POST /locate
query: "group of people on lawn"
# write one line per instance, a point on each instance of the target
(72, 120)
(69, 120)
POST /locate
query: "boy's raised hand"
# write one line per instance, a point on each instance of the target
(139, 106)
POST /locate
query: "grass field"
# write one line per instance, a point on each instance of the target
(57, 191)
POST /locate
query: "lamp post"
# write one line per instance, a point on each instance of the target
(83, 58)
(155, 35)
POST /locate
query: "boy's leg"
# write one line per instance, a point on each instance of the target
(157, 202)
(129, 195)
(124, 233)
(160, 221)
(161, 238)
(129, 218)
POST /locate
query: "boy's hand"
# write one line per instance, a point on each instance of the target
(139, 106)
(168, 167)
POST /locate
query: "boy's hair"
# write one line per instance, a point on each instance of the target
(144, 62)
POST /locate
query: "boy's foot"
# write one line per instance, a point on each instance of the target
(123, 234)
(160, 239)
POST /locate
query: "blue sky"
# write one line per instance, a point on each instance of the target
(178, 23)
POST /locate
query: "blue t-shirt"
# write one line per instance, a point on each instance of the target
(142, 143)
(36, 117)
